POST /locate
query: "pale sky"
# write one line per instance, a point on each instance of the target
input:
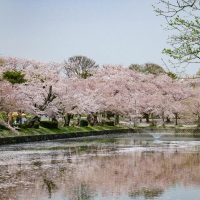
(108, 31)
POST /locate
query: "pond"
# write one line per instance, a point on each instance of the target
(124, 166)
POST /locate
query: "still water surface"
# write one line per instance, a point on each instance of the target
(122, 167)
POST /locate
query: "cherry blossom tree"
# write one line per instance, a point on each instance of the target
(113, 89)
(171, 94)
(10, 100)
(192, 105)
(38, 91)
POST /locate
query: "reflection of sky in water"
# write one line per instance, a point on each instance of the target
(175, 193)
(123, 167)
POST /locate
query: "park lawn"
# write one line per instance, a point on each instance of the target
(61, 130)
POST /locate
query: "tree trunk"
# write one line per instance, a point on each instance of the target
(153, 122)
(198, 121)
(78, 119)
(116, 119)
(95, 119)
(67, 119)
(168, 120)
(146, 116)
(33, 122)
(54, 119)
(107, 115)
(90, 119)
(100, 118)
(135, 121)
(163, 119)
(176, 119)
(7, 125)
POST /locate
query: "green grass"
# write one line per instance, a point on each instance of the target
(45, 131)
(71, 130)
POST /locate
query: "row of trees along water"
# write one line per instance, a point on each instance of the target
(79, 87)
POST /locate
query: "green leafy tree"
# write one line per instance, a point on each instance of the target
(148, 68)
(198, 73)
(152, 68)
(136, 67)
(14, 76)
(1, 62)
(183, 19)
(80, 66)
(172, 75)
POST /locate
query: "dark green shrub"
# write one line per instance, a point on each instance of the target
(109, 123)
(32, 122)
(109, 115)
(2, 127)
(49, 124)
(36, 125)
(14, 76)
(83, 123)
(153, 124)
(3, 116)
(23, 126)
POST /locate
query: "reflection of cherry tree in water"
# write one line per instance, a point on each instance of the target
(146, 193)
(49, 185)
(82, 192)
(136, 174)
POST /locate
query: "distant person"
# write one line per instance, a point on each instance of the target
(10, 119)
(19, 117)
(24, 119)
(15, 117)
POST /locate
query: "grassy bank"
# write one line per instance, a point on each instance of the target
(42, 134)
(46, 131)
(175, 130)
